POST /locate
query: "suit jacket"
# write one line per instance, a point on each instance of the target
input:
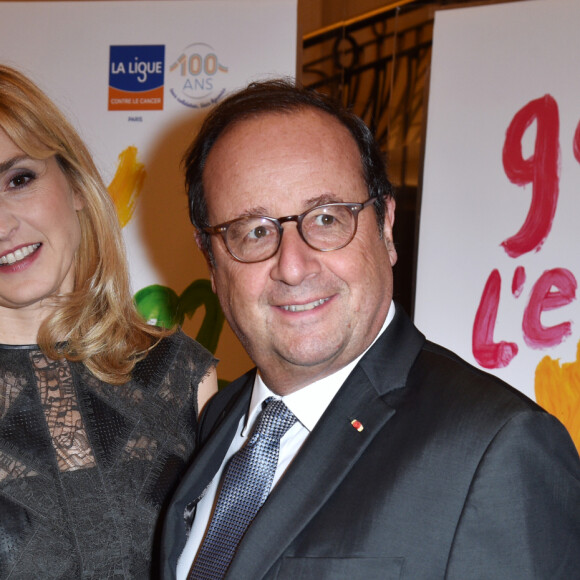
(454, 475)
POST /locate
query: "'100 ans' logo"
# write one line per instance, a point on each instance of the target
(196, 76)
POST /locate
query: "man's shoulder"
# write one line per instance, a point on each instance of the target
(443, 379)
(404, 363)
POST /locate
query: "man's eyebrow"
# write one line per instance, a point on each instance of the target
(308, 204)
(320, 200)
(257, 210)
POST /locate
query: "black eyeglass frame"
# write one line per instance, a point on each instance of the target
(354, 207)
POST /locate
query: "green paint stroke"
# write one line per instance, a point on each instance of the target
(160, 305)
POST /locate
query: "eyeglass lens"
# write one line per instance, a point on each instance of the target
(327, 227)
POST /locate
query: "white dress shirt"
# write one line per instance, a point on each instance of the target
(308, 404)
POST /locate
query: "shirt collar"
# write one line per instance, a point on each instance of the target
(309, 403)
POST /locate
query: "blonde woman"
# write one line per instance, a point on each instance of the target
(97, 409)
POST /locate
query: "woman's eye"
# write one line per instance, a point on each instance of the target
(21, 180)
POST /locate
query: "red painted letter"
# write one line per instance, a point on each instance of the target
(541, 299)
(489, 354)
(576, 144)
(541, 170)
(518, 281)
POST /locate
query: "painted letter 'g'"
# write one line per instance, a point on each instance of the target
(541, 170)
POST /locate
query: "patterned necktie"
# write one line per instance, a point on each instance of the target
(245, 487)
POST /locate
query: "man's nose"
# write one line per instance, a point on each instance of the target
(295, 260)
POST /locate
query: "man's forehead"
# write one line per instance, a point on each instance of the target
(267, 139)
(271, 138)
(279, 164)
(323, 120)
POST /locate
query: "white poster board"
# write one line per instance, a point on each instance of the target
(499, 259)
(136, 79)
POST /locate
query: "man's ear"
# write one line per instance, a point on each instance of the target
(388, 229)
(212, 279)
(208, 259)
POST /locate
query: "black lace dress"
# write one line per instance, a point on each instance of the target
(85, 467)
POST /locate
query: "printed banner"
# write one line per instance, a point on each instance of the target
(498, 264)
(136, 78)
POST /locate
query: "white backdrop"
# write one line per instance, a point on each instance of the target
(498, 259)
(202, 49)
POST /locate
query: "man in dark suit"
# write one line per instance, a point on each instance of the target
(403, 461)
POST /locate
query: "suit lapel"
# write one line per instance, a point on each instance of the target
(331, 450)
(326, 457)
(224, 418)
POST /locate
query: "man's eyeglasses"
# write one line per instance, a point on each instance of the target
(256, 238)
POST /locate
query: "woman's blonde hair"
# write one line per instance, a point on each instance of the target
(97, 323)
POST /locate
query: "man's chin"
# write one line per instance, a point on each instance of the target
(309, 360)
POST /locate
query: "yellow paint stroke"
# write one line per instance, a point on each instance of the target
(127, 184)
(558, 391)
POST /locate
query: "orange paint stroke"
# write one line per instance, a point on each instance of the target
(126, 186)
(558, 391)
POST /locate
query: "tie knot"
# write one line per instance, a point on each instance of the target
(274, 420)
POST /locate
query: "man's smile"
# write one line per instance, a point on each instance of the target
(303, 307)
